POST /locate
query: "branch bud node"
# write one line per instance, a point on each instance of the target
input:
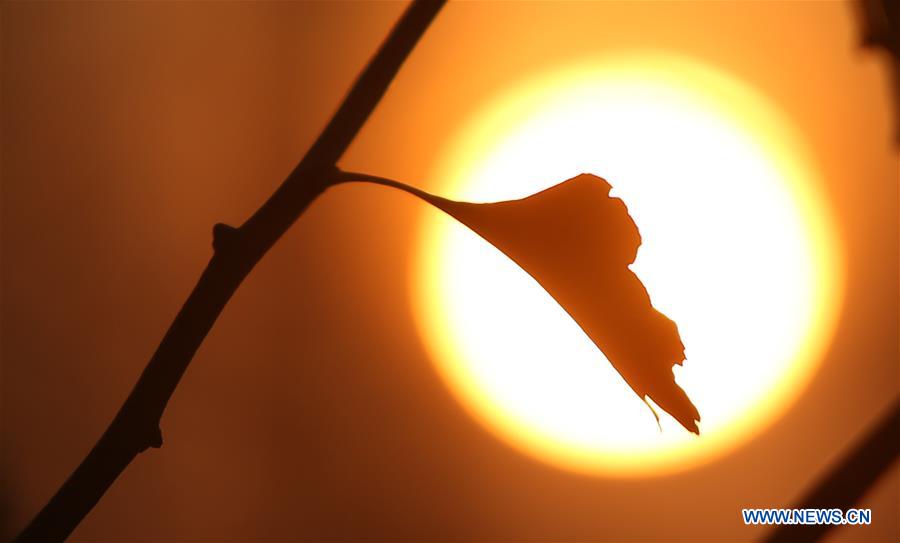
(224, 236)
(156, 440)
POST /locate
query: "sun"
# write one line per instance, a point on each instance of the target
(738, 248)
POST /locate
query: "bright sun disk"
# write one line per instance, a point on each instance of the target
(738, 249)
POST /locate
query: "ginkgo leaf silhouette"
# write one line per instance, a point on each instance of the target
(577, 242)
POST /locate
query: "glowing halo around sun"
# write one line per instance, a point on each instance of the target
(738, 248)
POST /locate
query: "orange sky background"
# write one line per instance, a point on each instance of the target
(312, 410)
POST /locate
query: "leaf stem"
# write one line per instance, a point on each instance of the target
(351, 177)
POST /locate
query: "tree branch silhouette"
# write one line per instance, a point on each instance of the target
(236, 251)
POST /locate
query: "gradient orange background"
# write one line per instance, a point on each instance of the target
(312, 412)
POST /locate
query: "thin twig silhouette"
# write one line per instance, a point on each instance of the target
(843, 485)
(236, 252)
